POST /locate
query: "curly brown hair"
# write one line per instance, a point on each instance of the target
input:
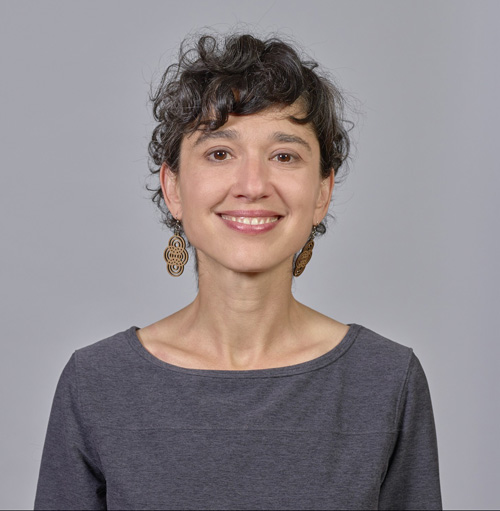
(241, 74)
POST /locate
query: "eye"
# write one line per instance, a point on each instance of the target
(219, 155)
(284, 158)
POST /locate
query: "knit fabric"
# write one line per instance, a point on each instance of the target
(352, 429)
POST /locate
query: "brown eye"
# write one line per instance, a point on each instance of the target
(220, 155)
(283, 158)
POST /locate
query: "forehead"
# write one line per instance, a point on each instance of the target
(273, 122)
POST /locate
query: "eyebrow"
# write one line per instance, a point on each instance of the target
(229, 134)
(287, 138)
(211, 135)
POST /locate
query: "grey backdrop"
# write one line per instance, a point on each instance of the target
(413, 253)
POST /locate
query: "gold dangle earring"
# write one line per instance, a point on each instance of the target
(176, 255)
(305, 254)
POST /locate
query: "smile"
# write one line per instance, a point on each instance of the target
(248, 220)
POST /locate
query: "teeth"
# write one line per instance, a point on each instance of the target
(255, 220)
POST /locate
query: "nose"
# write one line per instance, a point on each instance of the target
(252, 181)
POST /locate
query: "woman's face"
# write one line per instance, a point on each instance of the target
(249, 193)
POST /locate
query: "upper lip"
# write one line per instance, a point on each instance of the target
(248, 213)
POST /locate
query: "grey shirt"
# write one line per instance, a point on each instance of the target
(352, 429)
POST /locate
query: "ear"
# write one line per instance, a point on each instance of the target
(170, 189)
(324, 197)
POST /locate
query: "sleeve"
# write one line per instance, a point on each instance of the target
(412, 477)
(70, 475)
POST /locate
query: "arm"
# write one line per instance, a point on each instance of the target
(412, 477)
(70, 477)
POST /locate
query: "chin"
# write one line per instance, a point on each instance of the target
(258, 268)
(248, 261)
(246, 267)
(250, 270)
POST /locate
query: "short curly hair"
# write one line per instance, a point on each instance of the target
(240, 74)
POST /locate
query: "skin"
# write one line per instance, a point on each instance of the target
(245, 316)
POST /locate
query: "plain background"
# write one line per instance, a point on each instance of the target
(412, 254)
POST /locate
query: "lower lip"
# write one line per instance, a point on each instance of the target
(250, 229)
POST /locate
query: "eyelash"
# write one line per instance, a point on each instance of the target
(211, 156)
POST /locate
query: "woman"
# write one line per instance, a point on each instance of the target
(245, 399)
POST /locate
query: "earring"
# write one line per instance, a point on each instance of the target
(176, 255)
(305, 254)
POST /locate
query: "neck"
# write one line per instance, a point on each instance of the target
(244, 316)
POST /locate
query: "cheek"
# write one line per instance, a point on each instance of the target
(303, 195)
(195, 191)
(199, 198)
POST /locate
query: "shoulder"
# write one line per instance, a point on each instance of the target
(110, 375)
(376, 362)
(383, 364)
(392, 369)
(107, 358)
(375, 350)
(377, 375)
(110, 346)
(96, 367)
